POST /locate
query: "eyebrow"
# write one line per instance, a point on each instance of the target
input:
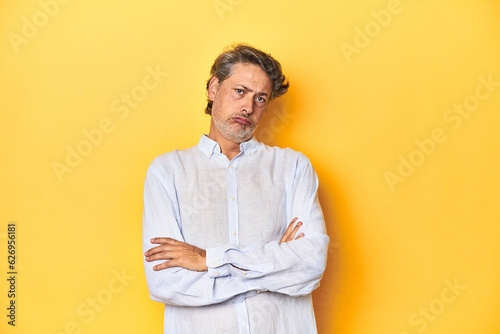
(251, 90)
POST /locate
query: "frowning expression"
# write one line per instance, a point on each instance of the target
(239, 102)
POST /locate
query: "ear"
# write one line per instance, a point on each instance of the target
(213, 86)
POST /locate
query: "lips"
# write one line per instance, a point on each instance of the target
(242, 120)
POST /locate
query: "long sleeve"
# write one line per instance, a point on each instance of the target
(214, 204)
(294, 268)
(178, 286)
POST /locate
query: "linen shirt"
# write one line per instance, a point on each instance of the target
(237, 210)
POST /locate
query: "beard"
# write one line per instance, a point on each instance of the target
(231, 130)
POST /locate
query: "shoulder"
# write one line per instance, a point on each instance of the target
(173, 159)
(287, 154)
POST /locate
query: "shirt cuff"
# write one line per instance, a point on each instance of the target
(215, 262)
(219, 271)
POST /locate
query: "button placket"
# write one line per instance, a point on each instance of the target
(232, 205)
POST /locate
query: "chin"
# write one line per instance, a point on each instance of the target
(239, 139)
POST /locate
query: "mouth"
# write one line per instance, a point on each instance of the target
(242, 120)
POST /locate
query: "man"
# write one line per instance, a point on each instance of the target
(233, 233)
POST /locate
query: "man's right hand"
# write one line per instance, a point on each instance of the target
(177, 254)
(291, 231)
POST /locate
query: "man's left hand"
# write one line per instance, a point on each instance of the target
(178, 254)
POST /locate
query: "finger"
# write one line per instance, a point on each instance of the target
(167, 252)
(189, 263)
(295, 230)
(291, 235)
(161, 248)
(285, 236)
(162, 242)
(300, 236)
(165, 241)
(165, 265)
(160, 256)
(288, 236)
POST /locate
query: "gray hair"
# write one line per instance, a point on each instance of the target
(243, 53)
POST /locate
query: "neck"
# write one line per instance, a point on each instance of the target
(227, 147)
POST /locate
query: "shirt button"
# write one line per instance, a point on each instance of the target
(232, 167)
(215, 264)
(216, 273)
(234, 232)
(232, 198)
(244, 273)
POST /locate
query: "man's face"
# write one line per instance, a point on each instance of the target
(239, 102)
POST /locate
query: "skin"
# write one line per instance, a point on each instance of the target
(242, 97)
(238, 105)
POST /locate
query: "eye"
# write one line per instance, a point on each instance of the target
(260, 99)
(239, 91)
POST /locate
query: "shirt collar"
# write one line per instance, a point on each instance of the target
(210, 147)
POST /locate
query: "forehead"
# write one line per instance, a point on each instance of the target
(251, 76)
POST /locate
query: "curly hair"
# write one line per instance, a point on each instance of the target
(243, 53)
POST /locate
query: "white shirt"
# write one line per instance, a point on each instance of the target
(237, 211)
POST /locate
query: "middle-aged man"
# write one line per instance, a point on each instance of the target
(233, 232)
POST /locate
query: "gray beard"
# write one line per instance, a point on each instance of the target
(230, 134)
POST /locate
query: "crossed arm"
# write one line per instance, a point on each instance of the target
(184, 255)
(177, 273)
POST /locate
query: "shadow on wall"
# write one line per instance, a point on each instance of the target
(274, 123)
(338, 300)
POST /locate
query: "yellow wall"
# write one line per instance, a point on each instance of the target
(396, 103)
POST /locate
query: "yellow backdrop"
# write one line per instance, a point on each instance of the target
(395, 102)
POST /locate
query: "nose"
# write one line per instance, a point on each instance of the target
(247, 104)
